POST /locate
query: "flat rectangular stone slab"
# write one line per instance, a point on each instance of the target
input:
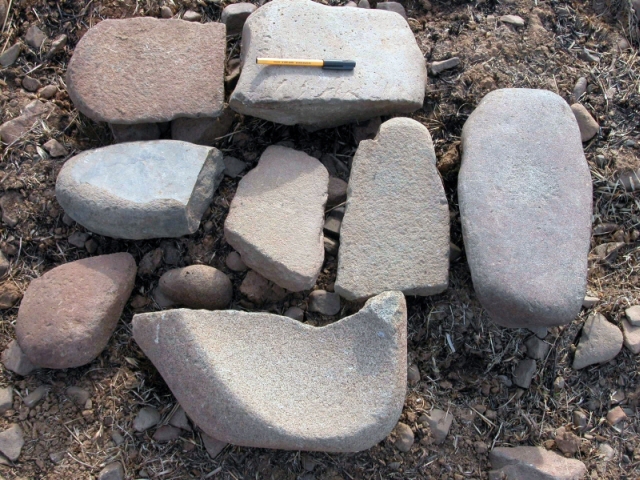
(395, 231)
(389, 76)
(146, 70)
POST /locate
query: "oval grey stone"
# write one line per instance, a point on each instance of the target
(140, 190)
(525, 202)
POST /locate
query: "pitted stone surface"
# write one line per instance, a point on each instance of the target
(518, 463)
(524, 188)
(276, 217)
(140, 190)
(395, 231)
(262, 380)
(152, 71)
(389, 76)
(68, 314)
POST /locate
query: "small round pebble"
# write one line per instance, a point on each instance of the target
(326, 303)
(197, 286)
(404, 437)
(234, 262)
(295, 312)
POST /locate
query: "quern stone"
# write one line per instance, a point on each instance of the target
(395, 231)
(518, 463)
(140, 190)
(276, 217)
(389, 77)
(152, 71)
(68, 314)
(600, 342)
(262, 380)
(524, 188)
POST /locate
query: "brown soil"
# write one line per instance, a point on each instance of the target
(465, 376)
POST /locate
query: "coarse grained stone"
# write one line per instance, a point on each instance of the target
(389, 76)
(395, 231)
(68, 314)
(139, 190)
(276, 217)
(535, 463)
(600, 342)
(147, 70)
(262, 380)
(524, 189)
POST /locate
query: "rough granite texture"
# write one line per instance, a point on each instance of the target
(139, 190)
(519, 463)
(395, 231)
(525, 190)
(389, 77)
(262, 380)
(68, 314)
(276, 217)
(152, 71)
(600, 342)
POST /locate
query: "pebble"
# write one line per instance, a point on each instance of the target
(633, 315)
(589, 301)
(235, 15)
(12, 130)
(213, 446)
(558, 384)
(11, 442)
(150, 262)
(534, 463)
(323, 302)
(514, 20)
(165, 12)
(179, 420)
(616, 415)
(296, 313)
(588, 126)
(288, 187)
(55, 148)
(364, 4)
(259, 290)
(35, 37)
(502, 151)
(540, 332)
(78, 239)
(366, 130)
(600, 342)
(331, 246)
(30, 84)
(404, 437)
(9, 295)
(331, 99)
(6, 399)
(35, 397)
(78, 395)
(580, 420)
(117, 438)
(441, 66)
(395, 231)
(536, 348)
(333, 222)
(588, 56)
(233, 167)
(57, 45)
(166, 433)
(197, 286)
(337, 192)
(123, 190)
(194, 351)
(580, 88)
(113, 471)
(607, 452)
(631, 337)
(413, 375)
(234, 262)
(68, 314)
(10, 55)
(439, 422)
(103, 83)
(191, 16)
(147, 417)
(392, 7)
(15, 360)
(524, 372)
(566, 441)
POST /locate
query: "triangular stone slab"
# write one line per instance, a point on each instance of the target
(261, 380)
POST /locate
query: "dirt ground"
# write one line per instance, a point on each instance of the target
(465, 361)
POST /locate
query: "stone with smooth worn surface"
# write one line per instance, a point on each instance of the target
(441, 66)
(155, 189)
(35, 37)
(6, 399)
(262, 380)
(36, 396)
(439, 422)
(197, 286)
(235, 15)
(15, 360)
(234, 262)
(153, 71)
(68, 314)
(518, 202)
(519, 463)
(616, 415)
(10, 55)
(514, 20)
(395, 231)
(276, 217)
(326, 303)
(147, 417)
(524, 372)
(633, 315)
(337, 192)
(631, 337)
(55, 148)
(16, 128)
(600, 342)
(404, 437)
(392, 7)
(536, 348)
(389, 77)
(113, 471)
(11, 442)
(588, 126)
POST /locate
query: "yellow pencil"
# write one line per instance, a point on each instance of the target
(293, 62)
